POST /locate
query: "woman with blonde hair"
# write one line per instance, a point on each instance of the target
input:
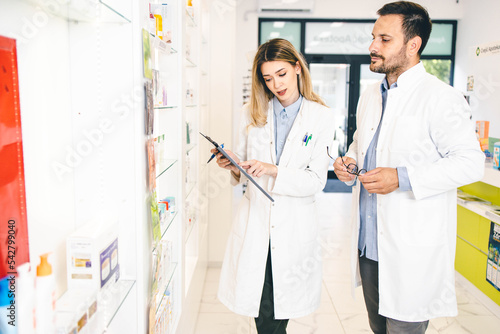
(272, 265)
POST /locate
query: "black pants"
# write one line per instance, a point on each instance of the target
(265, 323)
(380, 324)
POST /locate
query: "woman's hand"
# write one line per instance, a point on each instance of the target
(258, 168)
(223, 162)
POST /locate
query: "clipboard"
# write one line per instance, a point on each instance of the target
(221, 150)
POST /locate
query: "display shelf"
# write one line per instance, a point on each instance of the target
(165, 107)
(190, 63)
(162, 46)
(189, 188)
(170, 275)
(109, 301)
(167, 226)
(82, 11)
(124, 287)
(190, 147)
(191, 20)
(164, 166)
(491, 176)
(480, 207)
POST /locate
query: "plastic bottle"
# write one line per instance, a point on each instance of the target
(45, 297)
(8, 308)
(25, 299)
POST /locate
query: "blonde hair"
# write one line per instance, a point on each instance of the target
(276, 49)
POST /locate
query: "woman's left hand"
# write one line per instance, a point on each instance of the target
(258, 168)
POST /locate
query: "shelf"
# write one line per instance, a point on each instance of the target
(190, 63)
(165, 107)
(191, 21)
(482, 208)
(491, 176)
(164, 166)
(124, 287)
(82, 11)
(108, 300)
(190, 187)
(170, 276)
(188, 232)
(167, 226)
(162, 46)
(190, 147)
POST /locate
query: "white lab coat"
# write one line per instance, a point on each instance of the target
(427, 128)
(290, 223)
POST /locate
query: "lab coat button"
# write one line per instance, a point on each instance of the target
(272, 226)
(273, 247)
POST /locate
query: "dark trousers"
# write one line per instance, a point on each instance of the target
(265, 323)
(380, 324)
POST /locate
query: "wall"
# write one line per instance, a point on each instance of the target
(479, 27)
(43, 62)
(222, 43)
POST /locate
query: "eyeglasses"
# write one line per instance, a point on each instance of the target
(351, 168)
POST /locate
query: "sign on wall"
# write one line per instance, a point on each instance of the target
(13, 221)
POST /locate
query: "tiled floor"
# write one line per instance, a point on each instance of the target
(339, 312)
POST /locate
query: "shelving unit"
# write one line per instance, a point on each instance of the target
(98, 124)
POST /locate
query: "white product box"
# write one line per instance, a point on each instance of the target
(92, 255)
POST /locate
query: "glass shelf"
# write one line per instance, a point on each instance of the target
(162, 167)
(190, 63)
(162, 46)
(188, 232)
(165, 107)
(123, 288)
(190, 147)
(167, 226)
(189, 188)
(82, 11)
(191, 21)
(170, 276)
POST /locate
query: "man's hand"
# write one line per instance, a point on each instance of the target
(341, 170)
(258, 168)
(380, 180)
(225, 163)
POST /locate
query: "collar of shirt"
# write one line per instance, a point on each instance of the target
(291, 111)
(408, 79)
(384, 86)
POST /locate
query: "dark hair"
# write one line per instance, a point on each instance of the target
(416, 20)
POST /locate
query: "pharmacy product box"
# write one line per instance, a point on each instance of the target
(92, 255)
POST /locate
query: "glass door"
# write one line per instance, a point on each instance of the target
(331, 82)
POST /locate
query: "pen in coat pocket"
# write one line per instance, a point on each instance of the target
(308, 138)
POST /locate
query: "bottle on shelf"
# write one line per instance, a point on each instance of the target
(25, 299)
(45, 297)
(8, 321)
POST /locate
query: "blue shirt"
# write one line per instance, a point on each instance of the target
(367, 240)
(283, 121)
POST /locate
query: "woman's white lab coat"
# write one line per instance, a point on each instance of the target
(427, 128)
(289, 224)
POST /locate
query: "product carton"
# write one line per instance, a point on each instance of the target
(92, 255)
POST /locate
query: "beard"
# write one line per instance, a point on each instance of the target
(395, 64)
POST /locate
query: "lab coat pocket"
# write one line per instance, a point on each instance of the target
(240, 221)
(305, 222)
(423, 222)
